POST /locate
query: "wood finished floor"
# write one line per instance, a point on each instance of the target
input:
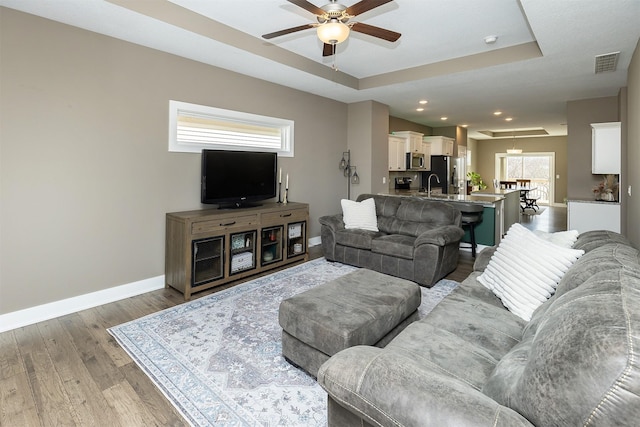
(70, 372)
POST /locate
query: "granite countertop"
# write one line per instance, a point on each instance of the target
(604, 202)
(485, 199)
(496, 191)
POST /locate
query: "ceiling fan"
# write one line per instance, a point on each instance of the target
(333, 25)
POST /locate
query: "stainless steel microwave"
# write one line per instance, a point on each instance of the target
(415, 161)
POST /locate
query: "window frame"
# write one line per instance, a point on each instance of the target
(285, 126)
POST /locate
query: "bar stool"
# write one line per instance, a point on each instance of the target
(471, 216)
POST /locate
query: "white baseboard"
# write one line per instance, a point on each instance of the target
(29, 316)
(315, 241)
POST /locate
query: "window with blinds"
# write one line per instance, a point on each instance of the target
(193, 127)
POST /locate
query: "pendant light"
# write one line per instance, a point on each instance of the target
(514, 150)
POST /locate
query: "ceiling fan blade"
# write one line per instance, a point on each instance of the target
(327, 49)
(378, 32)
(364, 6)
(288, 31)
(308, 6)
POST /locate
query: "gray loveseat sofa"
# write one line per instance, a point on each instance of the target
(418, 239)
(470, 362)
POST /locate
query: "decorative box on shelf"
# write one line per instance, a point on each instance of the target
(295, 230)
(241, 261)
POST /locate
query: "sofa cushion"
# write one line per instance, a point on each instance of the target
(396, 245)
(590, 240)
(360, 239)
(414, 217)
(580, 367)
(359, 215)
(473, 314)
(606, 258)
(386, 208)
(525, 270)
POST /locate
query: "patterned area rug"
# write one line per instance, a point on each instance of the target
(218, 358)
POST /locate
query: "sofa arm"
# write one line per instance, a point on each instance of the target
(389, 388)
(440, 236)
(334, 222)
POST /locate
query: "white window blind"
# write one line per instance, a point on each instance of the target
(194, 127)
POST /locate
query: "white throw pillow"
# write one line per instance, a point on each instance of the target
(525, 270)
(566, 239)
(360, 215)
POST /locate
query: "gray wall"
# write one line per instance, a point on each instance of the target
(632, 127)
(580, 115)
(368, 141)
(85, 175)
(484, 157)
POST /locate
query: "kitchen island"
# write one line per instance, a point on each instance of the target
(489, 232)
(511, 205)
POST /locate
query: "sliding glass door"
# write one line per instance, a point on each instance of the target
(538, 167)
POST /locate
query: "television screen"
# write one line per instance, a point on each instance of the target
(237, 178)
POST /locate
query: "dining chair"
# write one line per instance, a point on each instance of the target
(523, 183)
(507, 184)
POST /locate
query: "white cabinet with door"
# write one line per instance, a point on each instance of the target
(586, 216)
(397, 156)
(605, 145)
(440, 145)
(413, 140)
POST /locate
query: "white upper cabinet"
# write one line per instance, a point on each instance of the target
(396, 153)
(440, 145)
(605, 145)
(413, 140)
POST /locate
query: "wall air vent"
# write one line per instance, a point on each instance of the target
(607, 62)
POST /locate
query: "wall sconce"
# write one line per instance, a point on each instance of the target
(349, 171)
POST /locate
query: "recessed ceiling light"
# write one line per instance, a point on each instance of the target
(444, 118)
(497, 113)
(419, 109)
(464, 126)
(423, 101)
(490, 39)
(508, 119)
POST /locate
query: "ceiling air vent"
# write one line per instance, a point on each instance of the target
(606, 62)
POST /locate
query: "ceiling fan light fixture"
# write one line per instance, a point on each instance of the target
(333, 32)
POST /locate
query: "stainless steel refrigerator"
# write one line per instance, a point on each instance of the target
(445, 168)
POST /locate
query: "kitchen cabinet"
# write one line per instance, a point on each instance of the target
(588, 215)
(397, 157)
(413, 140)
(605, 148)
(426, 150)
(440, 145)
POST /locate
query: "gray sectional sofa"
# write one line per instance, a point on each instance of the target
(471, 362)
(417, 239)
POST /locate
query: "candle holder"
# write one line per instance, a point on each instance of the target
(279, 192)
(284, 200)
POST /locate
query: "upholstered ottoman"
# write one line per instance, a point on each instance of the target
(362, 307)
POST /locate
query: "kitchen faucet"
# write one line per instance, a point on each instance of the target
(429, 183)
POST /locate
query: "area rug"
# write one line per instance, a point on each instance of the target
(218, 358)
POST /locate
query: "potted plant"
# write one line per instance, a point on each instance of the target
(476, 181)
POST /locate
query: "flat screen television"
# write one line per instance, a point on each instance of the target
(235, 179)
